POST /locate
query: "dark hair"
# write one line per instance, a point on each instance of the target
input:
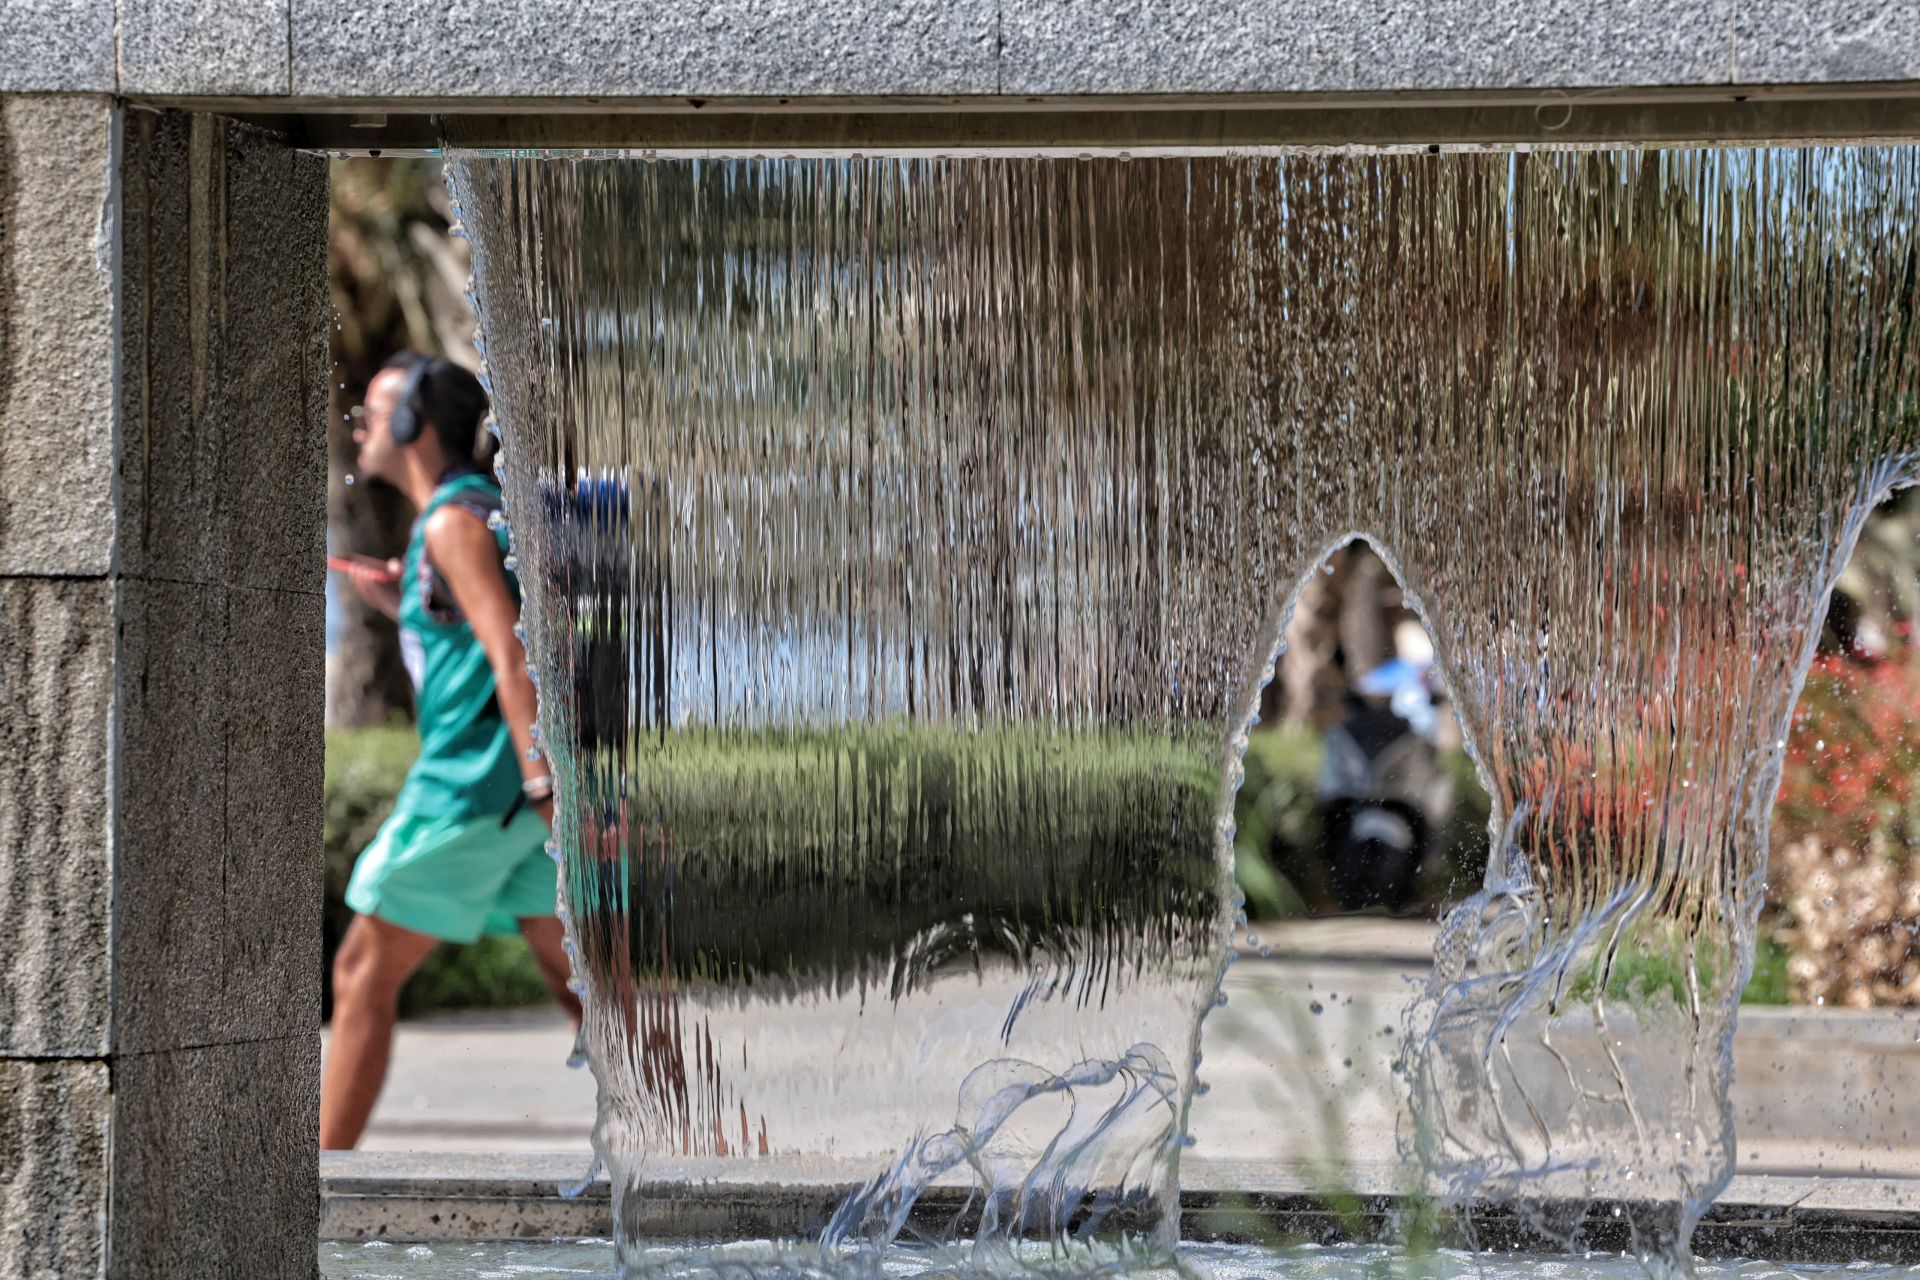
(452, 401)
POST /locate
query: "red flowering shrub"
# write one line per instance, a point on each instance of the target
(1852, 756)
(1845, 873)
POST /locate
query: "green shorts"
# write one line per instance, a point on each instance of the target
(455, 878)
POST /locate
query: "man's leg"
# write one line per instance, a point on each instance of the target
(548, 939)
(375, 961)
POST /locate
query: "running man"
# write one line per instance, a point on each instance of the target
(463, 853)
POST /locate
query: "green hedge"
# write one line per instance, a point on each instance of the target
(821, 855)
(1276, 815)
(365, 768)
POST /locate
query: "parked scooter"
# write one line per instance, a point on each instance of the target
(1383, 789)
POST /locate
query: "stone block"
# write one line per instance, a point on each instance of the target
(56, 688)
(169, 952)
(54, 1130)
(56, 333)
(1168, 46)
(204, 46)
(1411, 45)
(274, 810)
(214, 1154)
(224, 463)
(219, 856)
(1251, 46)
(274, 364)
(169, 418)
(650, 48)
(56, 46)
(1826, 41)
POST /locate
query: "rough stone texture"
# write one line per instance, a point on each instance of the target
(191, 981)
(275, 810)
(56, 335)
(224, 392)
(223, 612)
(213, 1161)
(643, 47)
(1826, 41)
(649, 48)
(223, 609)
(204, 46)
(1168, 46)
(53, 1182)
(171, 869)
(218, 857)
(56, 46)
(274, 364)
(1256, 46)
(1567, 44)
(56, 683)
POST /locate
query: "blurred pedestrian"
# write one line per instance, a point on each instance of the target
(463, 853)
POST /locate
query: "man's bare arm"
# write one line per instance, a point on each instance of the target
(467, 558)
(383, 596)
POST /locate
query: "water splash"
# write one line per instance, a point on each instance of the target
(907, 541)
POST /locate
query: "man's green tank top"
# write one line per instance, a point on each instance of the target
(466, 767)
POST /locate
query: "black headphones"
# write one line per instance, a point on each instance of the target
(409, 415)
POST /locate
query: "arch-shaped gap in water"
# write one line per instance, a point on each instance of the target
(1359, 818)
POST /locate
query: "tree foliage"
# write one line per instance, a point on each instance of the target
(398, 280)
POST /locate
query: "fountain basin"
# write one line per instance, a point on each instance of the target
(441, 1199)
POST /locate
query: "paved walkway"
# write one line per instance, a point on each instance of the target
(1816, 1092)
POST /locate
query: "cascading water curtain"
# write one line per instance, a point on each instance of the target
(907, 541)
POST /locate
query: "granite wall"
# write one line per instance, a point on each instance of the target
(162, 524)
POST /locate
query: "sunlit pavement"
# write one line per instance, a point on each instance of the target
(1296, 1065)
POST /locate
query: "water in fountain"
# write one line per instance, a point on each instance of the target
(907, 540)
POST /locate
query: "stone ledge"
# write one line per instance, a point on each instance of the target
(57, 46)
(354, 49)
(427, 1198)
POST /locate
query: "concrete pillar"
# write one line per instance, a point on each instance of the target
(162, 472)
